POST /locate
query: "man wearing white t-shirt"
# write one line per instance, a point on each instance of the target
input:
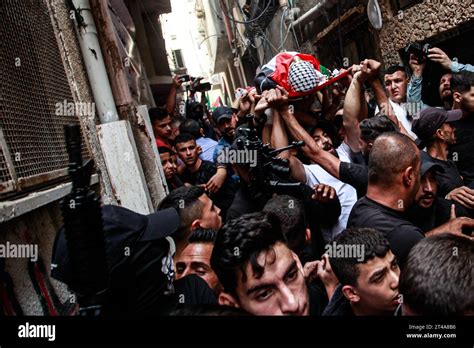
(396, 83)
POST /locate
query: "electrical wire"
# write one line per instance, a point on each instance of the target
(249, 21)
(282, 41)
(211, 5)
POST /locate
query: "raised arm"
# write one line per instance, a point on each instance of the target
(171, 99)
(329, 162)
(352, 110)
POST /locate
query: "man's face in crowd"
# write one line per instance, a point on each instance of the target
(445, 88)
(427, 191)
(162, 129)
(210, 217)
(280, 290)
(226, 126)
(196, 259)
(323, 140)
(188, 152)
(396, 85)
(168, 162)
(376, 291)
(449, 133)
(466, 100)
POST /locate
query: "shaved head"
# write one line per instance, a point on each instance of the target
(392, 153)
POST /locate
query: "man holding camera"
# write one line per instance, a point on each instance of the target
(418, 66)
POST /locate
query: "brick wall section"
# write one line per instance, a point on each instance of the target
(429, 18)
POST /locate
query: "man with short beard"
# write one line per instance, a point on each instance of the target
(435, 131)
(445, 90)
(429, 210)
(450, 67)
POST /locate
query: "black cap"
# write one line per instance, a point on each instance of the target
(430, 120)
(428, 164)
(122, 228)
(222, 112)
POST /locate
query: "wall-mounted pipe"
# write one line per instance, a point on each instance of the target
(94, 62)
(314, 12)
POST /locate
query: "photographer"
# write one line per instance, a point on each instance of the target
(418, 64)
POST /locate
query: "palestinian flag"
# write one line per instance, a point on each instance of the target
(300, 74)
(217, 103)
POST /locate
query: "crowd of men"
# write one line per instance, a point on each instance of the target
(367, 209)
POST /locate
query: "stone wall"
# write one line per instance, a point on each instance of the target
(419, 22)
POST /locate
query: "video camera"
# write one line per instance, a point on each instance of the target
(196, 85)
(418, 50)
(270, 174)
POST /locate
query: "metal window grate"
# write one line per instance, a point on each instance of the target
(4, 173)
(32, 82)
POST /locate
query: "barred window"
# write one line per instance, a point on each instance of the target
(35, 99)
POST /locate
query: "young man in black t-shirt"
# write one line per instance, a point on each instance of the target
(368, 275)
(204, 173)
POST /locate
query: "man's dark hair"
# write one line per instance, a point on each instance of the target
(183, 138)
(290, 211)
(390, 155)
(165, 149)
(438, 276)
(374, 243)
(371, 128)
(394, 68)
(186, 201)
(202, 235)
(239, 242)
(192, 127)
(157, 114)
(177, 120)
(462, 82)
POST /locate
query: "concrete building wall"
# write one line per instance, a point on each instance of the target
(35, 219)
(33, 289)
